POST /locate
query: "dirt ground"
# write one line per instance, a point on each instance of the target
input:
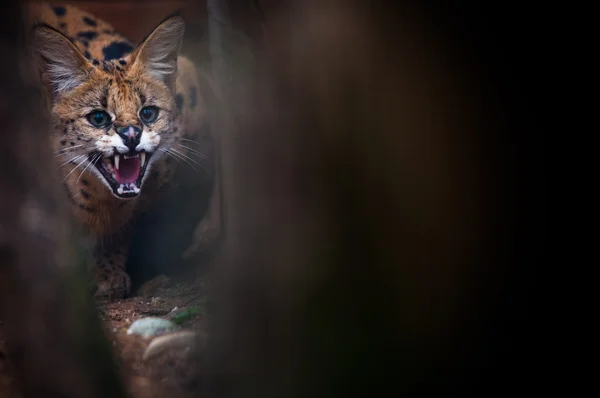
(171, 372)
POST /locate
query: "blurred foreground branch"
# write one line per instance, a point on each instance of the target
(353, 221)
(54, 338)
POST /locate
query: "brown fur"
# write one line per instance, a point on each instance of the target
(120, 86)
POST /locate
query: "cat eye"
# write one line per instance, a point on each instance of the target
(148, 114)
(98, 118)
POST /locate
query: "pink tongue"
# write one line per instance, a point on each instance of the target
(128, 171)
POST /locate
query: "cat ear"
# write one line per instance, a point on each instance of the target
(157, 54)
(62, 65)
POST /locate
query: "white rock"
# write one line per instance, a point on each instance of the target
(183, 340)
(149, 327)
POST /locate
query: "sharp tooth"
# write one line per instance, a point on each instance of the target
(136, 189)
(120, 189)
(142, 159)
(117, 158)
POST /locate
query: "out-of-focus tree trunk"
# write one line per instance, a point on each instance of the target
(354, 190)
(54, 339)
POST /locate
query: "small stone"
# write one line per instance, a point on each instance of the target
(183, 341)
(149, 327)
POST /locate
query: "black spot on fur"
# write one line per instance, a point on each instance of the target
(85, 194)
(66, 130)
(87, 54)
(63, 142)
(117, 50)
(72, 143)
(89, 21)
(122, 62)
(59, 11)
(192, 97)
(85, 43)
(179, 101)
(104, 99)
(68, 192)
(96, 62)
(88, 35)
(85, 182)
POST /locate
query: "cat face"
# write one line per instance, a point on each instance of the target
(112, 118)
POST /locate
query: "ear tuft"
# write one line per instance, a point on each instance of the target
(62, 65)
(158, 53)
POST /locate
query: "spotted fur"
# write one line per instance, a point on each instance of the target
(87, 66)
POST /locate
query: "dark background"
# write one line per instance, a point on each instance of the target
(509, 42)
(503, 49)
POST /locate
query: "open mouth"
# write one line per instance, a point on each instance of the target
(123, 172)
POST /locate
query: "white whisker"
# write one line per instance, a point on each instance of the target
(177, 157)
(75, 168)
(168, 153)
(187, 157)
(182, 157)
(88, 165)
(201, 155)
(68, 149)
(192, 141)
(71, 160)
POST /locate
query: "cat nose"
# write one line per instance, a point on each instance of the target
(130, 136)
